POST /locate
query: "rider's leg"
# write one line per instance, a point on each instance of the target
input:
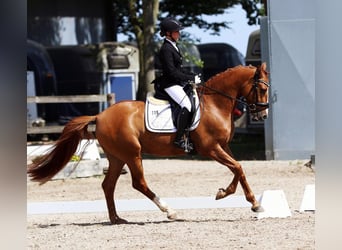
(182, 122)
(177, 93)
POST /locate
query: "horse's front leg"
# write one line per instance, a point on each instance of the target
(256, 207)
(225, 158)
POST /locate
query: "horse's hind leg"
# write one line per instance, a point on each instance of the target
(139, 183)
(108, 186)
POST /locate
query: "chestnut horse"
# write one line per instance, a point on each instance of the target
(121, 132)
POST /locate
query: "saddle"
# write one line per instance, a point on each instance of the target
(161, 112)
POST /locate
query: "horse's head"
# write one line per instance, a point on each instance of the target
(248, 82)
(256, 93)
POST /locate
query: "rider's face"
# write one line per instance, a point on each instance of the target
(175, 35)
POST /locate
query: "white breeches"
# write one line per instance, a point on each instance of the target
(177, 93)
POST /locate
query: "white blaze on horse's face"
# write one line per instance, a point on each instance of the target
(264, 113)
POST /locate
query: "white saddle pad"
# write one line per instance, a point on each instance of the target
(158, 116)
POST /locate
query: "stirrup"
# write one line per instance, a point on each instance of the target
(184, 144)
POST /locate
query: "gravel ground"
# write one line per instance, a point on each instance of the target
(223, 228)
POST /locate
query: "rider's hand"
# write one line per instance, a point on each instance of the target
(197, 79)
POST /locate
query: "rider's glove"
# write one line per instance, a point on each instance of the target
(197, 79)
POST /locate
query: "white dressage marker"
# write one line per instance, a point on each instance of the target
(91, 163)
(275, 205)
(91, 153)
(308, 202)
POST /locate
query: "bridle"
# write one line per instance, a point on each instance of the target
(262, 105)
(253, 106)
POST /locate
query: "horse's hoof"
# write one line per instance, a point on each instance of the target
(220, 194)
(118, 221)
(257, 209)
(172, 215)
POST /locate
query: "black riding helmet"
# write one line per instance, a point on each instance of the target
(169, 24)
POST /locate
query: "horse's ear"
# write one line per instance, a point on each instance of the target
(263, 66)
(259, 70)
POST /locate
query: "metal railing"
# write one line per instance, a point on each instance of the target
(50, 129)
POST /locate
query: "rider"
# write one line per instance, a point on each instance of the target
(174, 78)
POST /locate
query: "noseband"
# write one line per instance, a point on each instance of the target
(263, 105)
(253, 106)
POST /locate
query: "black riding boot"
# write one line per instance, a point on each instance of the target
(182, 122)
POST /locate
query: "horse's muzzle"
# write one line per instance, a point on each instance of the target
(258, 115)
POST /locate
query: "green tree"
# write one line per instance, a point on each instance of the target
(138, 20)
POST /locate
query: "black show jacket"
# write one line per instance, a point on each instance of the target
(171, 61)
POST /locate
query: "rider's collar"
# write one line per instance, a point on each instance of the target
(173, 43)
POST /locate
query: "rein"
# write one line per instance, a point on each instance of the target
(252, 107)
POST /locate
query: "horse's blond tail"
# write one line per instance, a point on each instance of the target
(47, 166)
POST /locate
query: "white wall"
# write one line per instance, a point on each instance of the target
(290, 129)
